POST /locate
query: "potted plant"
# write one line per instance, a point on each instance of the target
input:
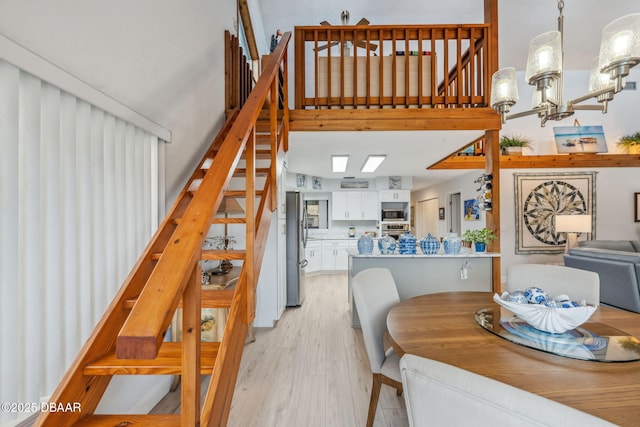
(513, 145)
(631, 143)
(480, 238)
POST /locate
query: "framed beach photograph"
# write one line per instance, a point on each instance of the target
(580, 139)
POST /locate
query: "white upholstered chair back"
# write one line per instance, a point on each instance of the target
(374, 293)
(554, 280)
(438, 394)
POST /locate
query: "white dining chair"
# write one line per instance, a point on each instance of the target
(554, 280)
(374, 293)
(438, 394)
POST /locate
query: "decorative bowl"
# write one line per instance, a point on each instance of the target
(555, 320)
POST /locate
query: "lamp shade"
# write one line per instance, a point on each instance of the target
(545, 57)
(504, 88)
(573, 223)
(620, 43)
(229, 205)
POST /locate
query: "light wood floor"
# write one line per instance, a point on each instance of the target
(309, 370)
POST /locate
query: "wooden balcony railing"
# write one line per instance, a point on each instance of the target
(437, 66)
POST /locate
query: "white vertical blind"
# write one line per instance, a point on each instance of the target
(78, 204)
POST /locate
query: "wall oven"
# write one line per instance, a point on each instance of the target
(394, 230)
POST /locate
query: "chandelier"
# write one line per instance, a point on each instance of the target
(619, 52)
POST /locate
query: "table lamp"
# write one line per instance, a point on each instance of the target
(572, 225)
(228, 206)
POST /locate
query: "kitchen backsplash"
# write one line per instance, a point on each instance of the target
(337, 230)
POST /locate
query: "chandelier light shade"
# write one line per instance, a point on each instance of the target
(551, 95)
(504, 90)
(620, 46)
(599, 81)
(619, 52)
(544, 63)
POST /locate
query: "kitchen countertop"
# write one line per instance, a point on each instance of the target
(330, 237)
(420, 255)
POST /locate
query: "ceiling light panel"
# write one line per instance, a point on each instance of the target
(372, 162)
(339, 163)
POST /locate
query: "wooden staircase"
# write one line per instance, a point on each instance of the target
(131, 338)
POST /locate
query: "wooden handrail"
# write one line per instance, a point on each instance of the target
(372, 77)
(144, 329)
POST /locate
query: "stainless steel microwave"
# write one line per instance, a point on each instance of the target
(393, 215)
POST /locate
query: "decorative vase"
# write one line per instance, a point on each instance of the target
(480, 246)
(387, 244)
(452, 244)
(429, 245)
(365, 245)
(407, 243)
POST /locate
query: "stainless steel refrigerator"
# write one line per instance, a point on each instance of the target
(296, 242)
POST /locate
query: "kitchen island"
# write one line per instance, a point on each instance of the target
(426, 274)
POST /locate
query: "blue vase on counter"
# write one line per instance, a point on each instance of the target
(452, 244)
(387, 244)
(407, 243)
(429, 245)
(365, 245)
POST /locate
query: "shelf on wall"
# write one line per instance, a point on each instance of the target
(587, 160)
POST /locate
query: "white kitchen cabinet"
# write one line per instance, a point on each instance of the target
(313, 254)
(335, 255)
(395, 195)
(370, 205)
(354, 205)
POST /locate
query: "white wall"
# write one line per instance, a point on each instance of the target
(162, 58)
(620, 119)
(466, 187)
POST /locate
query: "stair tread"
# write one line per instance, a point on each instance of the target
(213, 254)
(168, 362)
(240, 193)
(142, 420)
(210, 297)
(229, 220)
(223, 254)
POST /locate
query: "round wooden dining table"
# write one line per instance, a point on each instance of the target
(442, 327)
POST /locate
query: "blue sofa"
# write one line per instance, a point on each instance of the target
(617, 262)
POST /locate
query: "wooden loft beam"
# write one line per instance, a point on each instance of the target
(394, 119)
(540, 162)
